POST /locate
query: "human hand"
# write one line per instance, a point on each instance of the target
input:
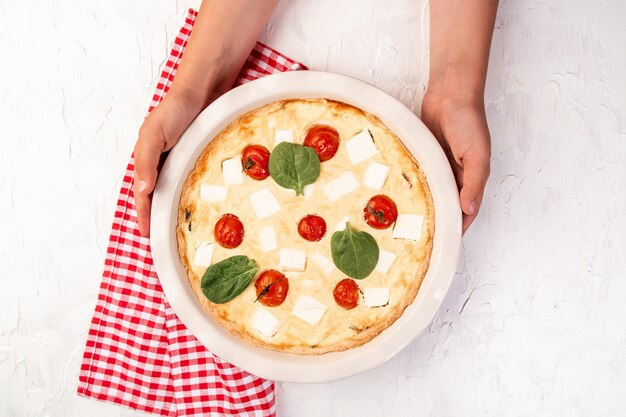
(460, 126)
(223, 36)
(159, 133)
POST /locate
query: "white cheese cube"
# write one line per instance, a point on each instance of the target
(309, 309)
(323, 262)
(307, 191)
(361, 147)
(264, 322)
(213, 193)
(341, 186)
(264, 203)
(376, 297)
(376, 175)
(292, 260)
(232, 170)
(385, 259)
(283, 135)
(342, 224)
(204, 254)
(408, 226)
(267, 237)
(288, 190)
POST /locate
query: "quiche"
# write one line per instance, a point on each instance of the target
(306, 227)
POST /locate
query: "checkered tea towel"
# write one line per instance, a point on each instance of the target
(138, 353)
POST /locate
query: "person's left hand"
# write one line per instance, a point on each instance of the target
(460, 126)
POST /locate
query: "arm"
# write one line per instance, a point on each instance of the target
(453, 106)
(223, 36)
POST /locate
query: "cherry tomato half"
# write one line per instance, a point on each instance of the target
(271, 288)
(228, 231)
(380, 212)
(255, 159)
(346, 293)
(312, 228)
(324, 140)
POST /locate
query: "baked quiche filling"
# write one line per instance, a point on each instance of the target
(306, 227)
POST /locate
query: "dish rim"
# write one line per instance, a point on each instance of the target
(418, 140)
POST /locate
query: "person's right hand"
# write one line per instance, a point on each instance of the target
(159, 133)
(223, 35)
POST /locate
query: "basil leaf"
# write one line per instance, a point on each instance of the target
(294, 166)
(227, 279)
(355, 253)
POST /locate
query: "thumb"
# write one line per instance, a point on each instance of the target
(148, 150)
(475, 173)
(147, 155)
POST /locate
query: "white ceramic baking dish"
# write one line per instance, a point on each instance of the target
(417, 139)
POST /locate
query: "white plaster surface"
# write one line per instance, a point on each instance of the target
(535, 322)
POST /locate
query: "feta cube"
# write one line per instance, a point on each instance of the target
(376, 297)
(264, 322)
(341, 186)
(267, 238)
(361, 147)
(264, 203)
(307, 191)
(323, 262)
(376, 175)
(204, 254)
(342, 224)
(292, 260)
(309, 309)
(232, 170)
(385, 259)
(408, 226)
(213, 193)
(283, 135)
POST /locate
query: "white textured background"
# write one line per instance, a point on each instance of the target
(535, 323)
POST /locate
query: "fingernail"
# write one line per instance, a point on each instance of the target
(472, 207)
(142, 186)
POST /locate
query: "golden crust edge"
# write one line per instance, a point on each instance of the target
(233, 329)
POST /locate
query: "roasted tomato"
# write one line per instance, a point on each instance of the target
(324, 140)
(346, 293)
(380, 212)
(271, 288)
(312, 228)
(255, 159)
(228, 231)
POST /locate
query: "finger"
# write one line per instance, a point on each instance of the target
(147, 155)
(468, 219)
(457, 170)
(143, 204)
(475, 174)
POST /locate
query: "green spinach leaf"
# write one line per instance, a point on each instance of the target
(355, 253)
(294, 166)
(227, 279)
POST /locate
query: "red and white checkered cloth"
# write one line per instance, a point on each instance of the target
(138, 353)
